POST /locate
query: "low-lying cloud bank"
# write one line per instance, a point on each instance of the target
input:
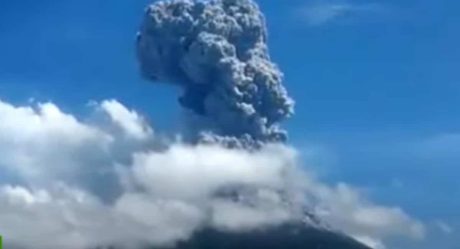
(108, 179)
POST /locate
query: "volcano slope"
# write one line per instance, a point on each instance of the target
(216, 52)
(295, 236)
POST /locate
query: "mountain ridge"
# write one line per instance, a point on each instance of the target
(291, 236)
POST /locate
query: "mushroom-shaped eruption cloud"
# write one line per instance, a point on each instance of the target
(216, 51)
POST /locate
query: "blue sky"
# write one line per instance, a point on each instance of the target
(377, 86)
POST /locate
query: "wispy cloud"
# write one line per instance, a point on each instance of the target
(444, 227)
(325, 12)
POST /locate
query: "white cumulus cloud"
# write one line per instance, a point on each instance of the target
(108, 180)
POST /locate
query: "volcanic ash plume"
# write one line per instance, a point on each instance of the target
(216, 51)
(110, 180)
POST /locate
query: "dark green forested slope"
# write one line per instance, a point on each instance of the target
(285, 237)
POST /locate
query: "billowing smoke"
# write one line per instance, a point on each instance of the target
(111, 179)
(217, 52)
